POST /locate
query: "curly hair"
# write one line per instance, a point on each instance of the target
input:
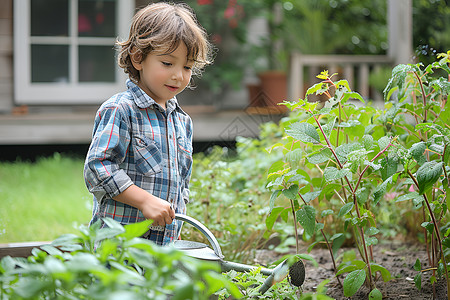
(160, 28)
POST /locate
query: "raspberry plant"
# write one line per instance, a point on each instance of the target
(342, 157)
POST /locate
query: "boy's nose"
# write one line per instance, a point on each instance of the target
(178, 75)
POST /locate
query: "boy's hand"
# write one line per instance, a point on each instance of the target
(158, 210)
(154, 208)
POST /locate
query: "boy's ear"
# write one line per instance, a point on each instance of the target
(136, 58)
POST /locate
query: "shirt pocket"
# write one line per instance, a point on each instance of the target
(147, 156)
(184, 156)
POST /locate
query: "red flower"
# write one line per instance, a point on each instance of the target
(204, 2)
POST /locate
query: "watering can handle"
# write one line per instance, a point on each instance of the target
(205, 231)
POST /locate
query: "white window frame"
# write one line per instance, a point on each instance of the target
(72, 92)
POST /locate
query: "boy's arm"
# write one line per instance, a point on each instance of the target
(152, 207)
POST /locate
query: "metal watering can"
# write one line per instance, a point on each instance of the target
(198, 250)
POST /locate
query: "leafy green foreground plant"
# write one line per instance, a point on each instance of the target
(123, 266)
(341, 159)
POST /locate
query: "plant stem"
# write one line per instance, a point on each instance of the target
(295, 226)
(438, 234)
(326, 241)
(355, 202)
(425, 111)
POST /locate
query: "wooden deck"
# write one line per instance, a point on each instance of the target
(75, 126)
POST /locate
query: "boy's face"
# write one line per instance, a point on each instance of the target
(162, 76)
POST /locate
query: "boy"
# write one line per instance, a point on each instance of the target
(140, 158)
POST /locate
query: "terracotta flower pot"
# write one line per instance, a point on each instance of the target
(273, 87)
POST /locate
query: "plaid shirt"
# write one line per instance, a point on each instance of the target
(136, 141)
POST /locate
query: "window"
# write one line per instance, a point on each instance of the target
(64, 50)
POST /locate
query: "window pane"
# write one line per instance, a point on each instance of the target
(49, 63)
(96, 64)
(49, 18)
(97, 18)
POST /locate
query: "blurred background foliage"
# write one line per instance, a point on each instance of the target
(310, 27)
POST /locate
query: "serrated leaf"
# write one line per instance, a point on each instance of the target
(343, 150)
(273, 197)
(308, 197)
(272, 217)
(291, 192)
(383, 142)
(294, 156)
(381, 190)
(397, 79)
(367, 141)
(306, 216)
(304, 132)
(353, 282)
(345, 209)
(332, 173)
(318, 88)
(328, 128)
(417, 152)
(409, 196)
(389, 166)
(326, 212)
(427, 175)
(320, 156)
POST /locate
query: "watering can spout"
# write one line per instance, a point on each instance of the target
(296, 270)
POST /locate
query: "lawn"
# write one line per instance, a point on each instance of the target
(42, 200)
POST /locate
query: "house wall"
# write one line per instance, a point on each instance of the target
(6, 55)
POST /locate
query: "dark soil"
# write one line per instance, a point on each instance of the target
(398, 258)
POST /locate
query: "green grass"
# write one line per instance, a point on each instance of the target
(43, 200)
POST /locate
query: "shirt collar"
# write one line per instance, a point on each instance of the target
(143, 100)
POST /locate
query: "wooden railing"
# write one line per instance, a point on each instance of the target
(354, 68)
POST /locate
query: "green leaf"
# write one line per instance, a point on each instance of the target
(273, 197)
(328, 128)
(332, 173)
(397, 79)
(375, 294)
(352, 95)
(304, 132)
(353, 282)
(418, 265)
(446, 157)
(385, 274)
(417, 152)
(409, 196)
(418, 281)
(381, 190)
(343, 150)
(308, 197)
(291, 192)
(320, 156)
(294, 156)
(135, 229)
(367, 141)
(306, 216)
(345, 209)
(427, 175)
(317, 88)
(446, 242)
(270, 220)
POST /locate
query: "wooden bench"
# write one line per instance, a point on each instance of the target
(19, 249)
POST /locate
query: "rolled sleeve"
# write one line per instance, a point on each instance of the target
(102, 172)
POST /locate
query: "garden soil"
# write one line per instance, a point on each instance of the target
(397, 257)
